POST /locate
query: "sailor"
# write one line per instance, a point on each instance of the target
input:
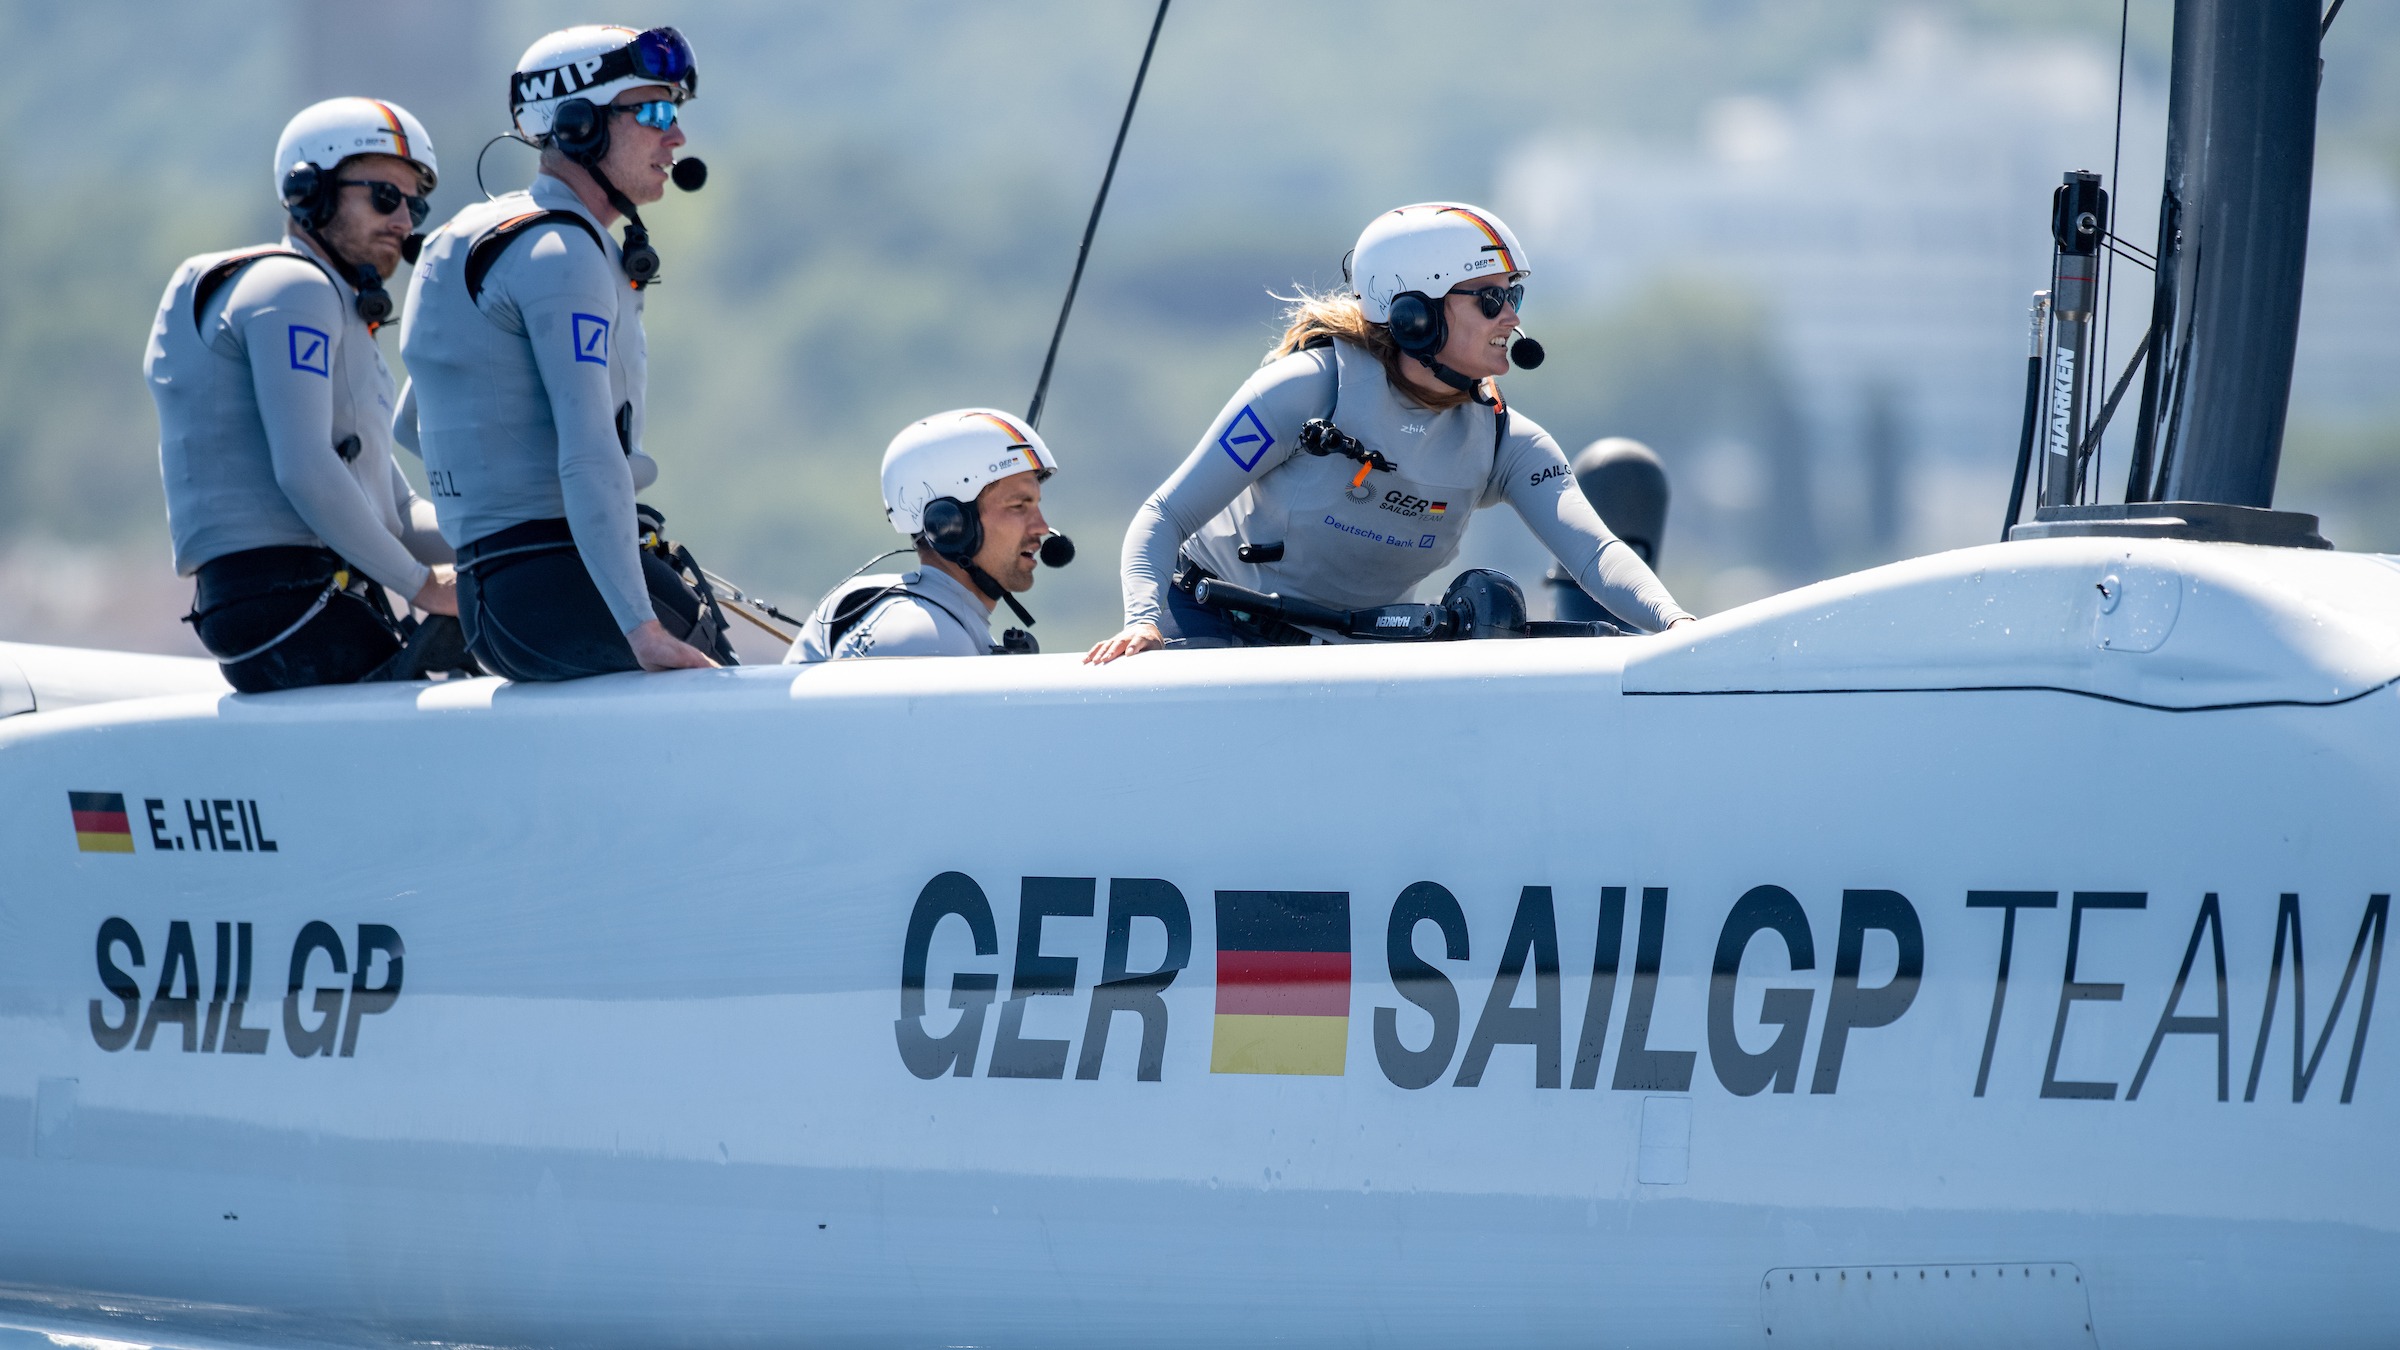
(1344, 471)
(966, 488)
(527, 370)
(274, 417)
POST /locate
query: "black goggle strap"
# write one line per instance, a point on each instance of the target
(634, 58)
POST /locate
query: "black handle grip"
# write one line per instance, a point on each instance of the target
(1260, 604)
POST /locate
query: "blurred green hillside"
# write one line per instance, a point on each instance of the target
(896, 196)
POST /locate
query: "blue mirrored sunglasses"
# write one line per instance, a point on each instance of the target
(658, 114)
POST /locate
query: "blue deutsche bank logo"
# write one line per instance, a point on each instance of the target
(591, 339)
(1246, 439)
(311, 350)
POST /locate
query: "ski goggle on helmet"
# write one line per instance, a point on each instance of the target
(596, 62)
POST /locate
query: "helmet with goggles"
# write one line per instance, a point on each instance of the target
(956, 455)
(1429, 248)
(596, 62)
(322, 135)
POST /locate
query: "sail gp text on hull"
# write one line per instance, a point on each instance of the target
(1283, 992)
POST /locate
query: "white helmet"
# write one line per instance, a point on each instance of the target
(596, 62)
(1429, 248)
(325, 134)
(956, 455)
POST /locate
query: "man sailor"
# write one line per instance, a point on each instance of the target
(966, 488)
(274, 417)
(528, 367)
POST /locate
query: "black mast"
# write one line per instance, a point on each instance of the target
(2233, 242)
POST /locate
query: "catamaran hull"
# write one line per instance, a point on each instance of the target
(994, 1003)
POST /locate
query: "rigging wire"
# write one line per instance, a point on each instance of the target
(2129, 251)
(2108, 410)
(2327, 26)
(1041, 390)
(2108, 284)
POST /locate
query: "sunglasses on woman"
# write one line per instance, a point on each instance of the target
(1489, 299)
(387, 198)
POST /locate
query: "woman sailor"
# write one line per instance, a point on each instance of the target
(1356, 513)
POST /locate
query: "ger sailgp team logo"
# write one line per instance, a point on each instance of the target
(1283, 982)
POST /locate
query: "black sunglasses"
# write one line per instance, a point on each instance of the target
(1489, 299)
(387, 199)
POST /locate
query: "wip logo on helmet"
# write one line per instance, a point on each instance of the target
(1283, 982)
(100, 823)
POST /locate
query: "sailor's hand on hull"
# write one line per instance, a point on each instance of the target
(1137, 637)
(439, 594)
(656, 649)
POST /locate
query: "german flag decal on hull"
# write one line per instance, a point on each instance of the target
(100, 824)
(1283, 982)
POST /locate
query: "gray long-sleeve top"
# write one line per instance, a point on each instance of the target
(1354, 544)
(515, 397)
(926, 612)
(253, 398)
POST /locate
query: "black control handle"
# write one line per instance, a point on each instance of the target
(1385, 623)
(1261, 604)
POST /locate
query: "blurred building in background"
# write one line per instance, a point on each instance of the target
(433, 57)
(1893, 221)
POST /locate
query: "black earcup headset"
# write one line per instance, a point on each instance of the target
(953, 529)
(1419, 325)
(310, 194)
(580, 131)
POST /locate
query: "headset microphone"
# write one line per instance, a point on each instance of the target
(1057, 550)
(1526, 352)
(690, 174)
(411, 247)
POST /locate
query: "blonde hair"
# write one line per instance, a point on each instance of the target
(1313, 315)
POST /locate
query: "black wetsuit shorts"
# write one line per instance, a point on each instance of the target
(246, 599)
(532, 612)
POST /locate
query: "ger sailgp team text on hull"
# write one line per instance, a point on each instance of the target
(2005, 925)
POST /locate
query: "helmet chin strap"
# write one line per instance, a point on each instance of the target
(995, 591)
(636, 233)
(1472, 388)
(1446, 375)
(362, 277)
